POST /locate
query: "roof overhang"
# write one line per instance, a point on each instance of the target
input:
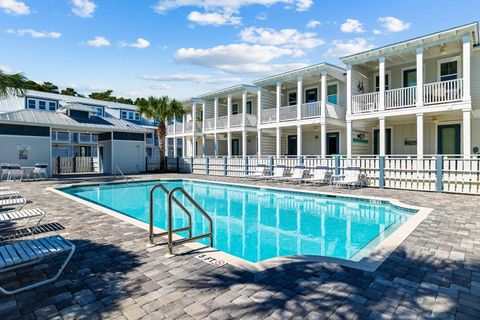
(468, 30)
(332, 70)
(238, 89)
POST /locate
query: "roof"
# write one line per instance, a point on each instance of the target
(80, 107)
(230, 90)
(61, 120)
(333, 70)
(467, 29)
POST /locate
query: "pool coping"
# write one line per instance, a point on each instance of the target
(369, 263)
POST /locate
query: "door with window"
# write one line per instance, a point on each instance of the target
(292, 145)
(292, 98)
(409, 78)
(235, 108)
(235, 147)
(249, 107)
(333, 143)
(388, 141)
(311, 95)
(449, 139)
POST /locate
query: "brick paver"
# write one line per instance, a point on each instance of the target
(435, 272)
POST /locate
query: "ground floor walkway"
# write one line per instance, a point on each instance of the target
(433, 273)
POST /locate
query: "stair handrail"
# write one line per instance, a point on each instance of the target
(115, 168)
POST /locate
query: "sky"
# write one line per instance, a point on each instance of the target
(188, 47)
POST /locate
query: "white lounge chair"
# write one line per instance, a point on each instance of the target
(19, 202)
(279, 171)
(352, 178)
(320, 175)
(7, 194)
(4, 188)
(298, 173)
(260, 172)
(7, 218)
(30, 252)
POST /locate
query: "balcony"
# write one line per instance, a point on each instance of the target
(311, 110)
(433, 93)
(222, 122)
(210, 124)
(178, 127)
(288, 113)
(269, 115)
(170, 128)
(61, 137)
(236, 120)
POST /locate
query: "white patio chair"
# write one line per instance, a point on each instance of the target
(40, 170)
(260, 172)
(298, 173)
(14, 172)
(321, 175)
(352, 178)
(279, 171)
(5, 167)
(32, 252)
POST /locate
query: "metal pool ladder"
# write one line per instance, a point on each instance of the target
(169, 233)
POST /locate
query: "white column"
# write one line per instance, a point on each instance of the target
(229, 110)
(175, 148)
(278, 143)
(323, 89)
(419, 134)
(299, 140)
(184, 119)
(204, 140)
(259, 143)
(194, 118)
(466, 69)
(259, 106)
(244, 108)
(299, 97)
(382, 138)
(349, 138)
(194, 146)
(174, 124)
(166, 147)
(419, 78)
(229, 141)
(215, 146)
(184, 147)
(215, 112)
(349, 89)
(323, 139)
(381, 75)
(278, 100)
(244, 143)
(467, 134)
(203, 117)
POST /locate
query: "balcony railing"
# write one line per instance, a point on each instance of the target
(60, 136)
(288, 113)
(210, 124)
(236, 120)
(401, 98)
(444, 91)
(311, 110)
(170, 128)
(188, 126)
(367, 102)
(178, 127)
(251, 120)
(222, 122)
(269, 115)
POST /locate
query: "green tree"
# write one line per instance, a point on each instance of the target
(49, 87)
(32, 85)
(69, 92)
(124, 100)
(163, 109)
(104, 96)
(12, 84)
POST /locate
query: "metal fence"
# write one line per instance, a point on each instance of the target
(453, 174)
(65, 165)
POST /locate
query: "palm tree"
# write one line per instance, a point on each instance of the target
(161, 109)
(12, 83)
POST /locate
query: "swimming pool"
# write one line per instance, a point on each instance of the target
(257, 224)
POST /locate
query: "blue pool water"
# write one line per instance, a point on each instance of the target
(256, 224)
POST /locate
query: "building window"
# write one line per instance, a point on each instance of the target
(235, 108)
(292, 98)
(130, 115)
(249, 107)
(377, 82)
(409, 78)
(449, 70)
(41, 104)
(311, 95)
(332, 94)
(99, 111)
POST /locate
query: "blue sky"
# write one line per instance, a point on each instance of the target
(187, 47)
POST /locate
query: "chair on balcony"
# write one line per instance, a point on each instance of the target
(320, 175)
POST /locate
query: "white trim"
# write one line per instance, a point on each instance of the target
(450, 59)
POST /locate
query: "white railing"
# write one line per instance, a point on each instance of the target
(60, 136)
(251, 120)
(401, 98)
(199, 126)
(443, 91)
(311, 110)
(367, 102)
(170, 128)
(188, 126)
(236, 120)
(269, 115)
(178, 128)
(288, 113)
(210, 124)
(222, 122)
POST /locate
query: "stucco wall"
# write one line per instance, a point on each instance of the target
(39, 150)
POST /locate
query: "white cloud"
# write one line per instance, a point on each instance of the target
(98, 41)
(214, 18)
(159, 86)
(14, 7)
(192, 77)
(8, 69)
(288, 38)
(376, 31)
(341, 48)
(35, 34)
(394, 24)
(227, 5)
(262, 16)
(352, 25)
(313, 24)
(83, 8)
(240, 58)
(141, 43)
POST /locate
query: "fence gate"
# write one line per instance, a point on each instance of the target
(65, 165)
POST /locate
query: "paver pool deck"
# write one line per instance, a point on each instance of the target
(434, 273)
